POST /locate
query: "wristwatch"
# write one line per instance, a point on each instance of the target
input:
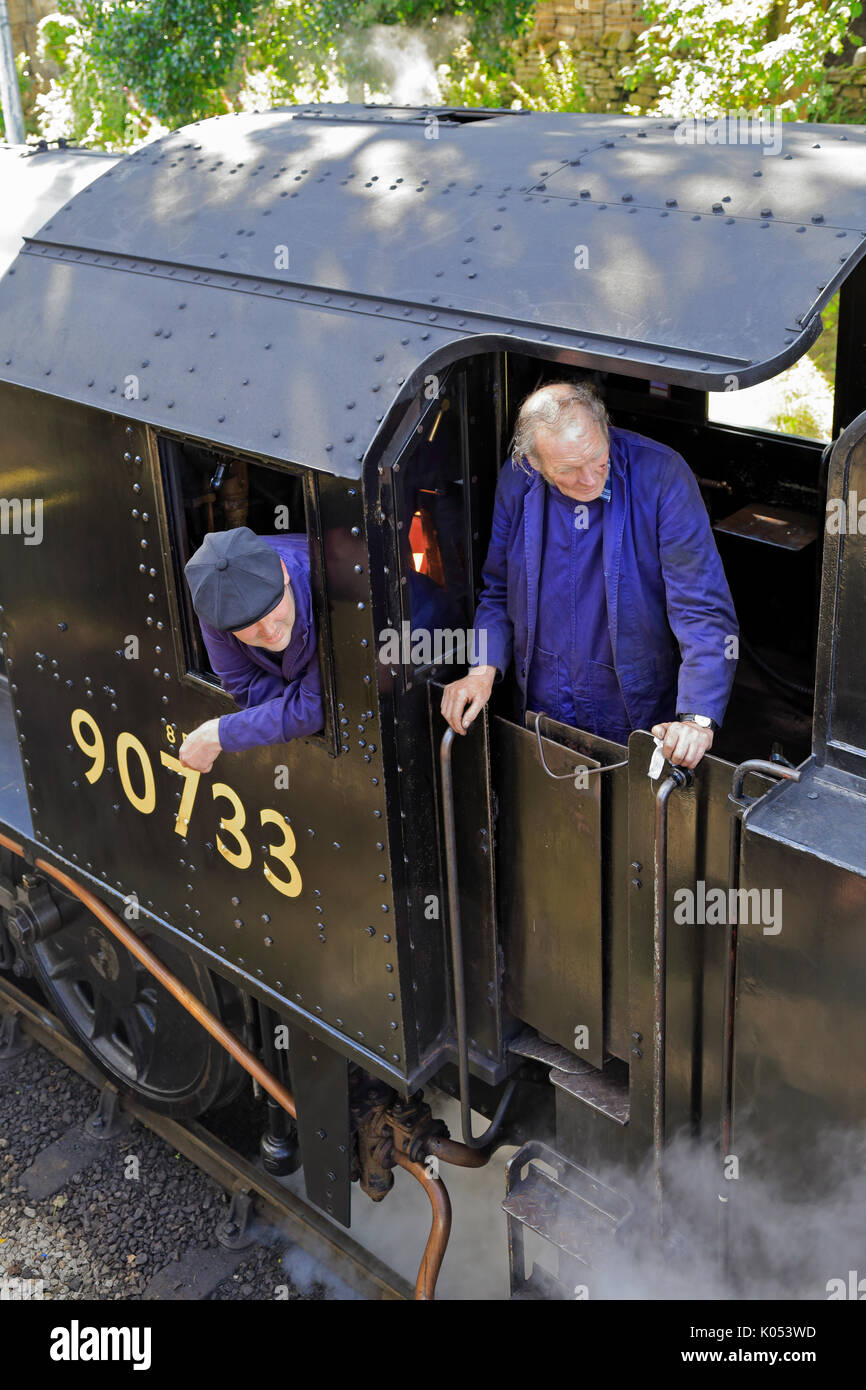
(703, 721)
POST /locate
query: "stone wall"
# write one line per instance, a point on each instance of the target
(849, 89)
(601, 33)
(24, 15)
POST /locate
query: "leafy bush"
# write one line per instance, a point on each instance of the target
(562, 89)
(713, 56)
(82, 104)
(175, 54)
(469, 82)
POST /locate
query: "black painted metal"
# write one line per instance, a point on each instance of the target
(320, 1089)
(14, 809)
(613, 794)
(282, 948)
(660, 986)
(129, 1023)
(799, 1090)
(475, 876)
(739, 806)
(551, 920)
(277, 282)
(278, 364)
(278, 1146)
(849, 386)
(458, 974)
(839, 732)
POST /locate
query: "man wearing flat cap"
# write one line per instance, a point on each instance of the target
(252, 597)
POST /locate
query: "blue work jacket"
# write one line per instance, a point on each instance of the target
(672, 623)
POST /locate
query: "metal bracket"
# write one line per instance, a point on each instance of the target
(320, 1086)
(108, 1119)
(234, 1231)
(12, 1041)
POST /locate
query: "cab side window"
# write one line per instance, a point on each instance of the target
(206, 490)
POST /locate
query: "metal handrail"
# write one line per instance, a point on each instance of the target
(679, 777)
(455, 927)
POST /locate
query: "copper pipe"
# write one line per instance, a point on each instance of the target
(437, 1241)
(170, 982)
(450, 1151)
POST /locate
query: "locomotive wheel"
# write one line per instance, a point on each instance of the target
(131, 1026)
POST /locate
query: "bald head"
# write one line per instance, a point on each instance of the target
(562, 432)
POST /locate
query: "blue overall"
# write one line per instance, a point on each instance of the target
(650, 578)
(572, 676)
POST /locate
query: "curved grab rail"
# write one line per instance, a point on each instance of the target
(455, 926)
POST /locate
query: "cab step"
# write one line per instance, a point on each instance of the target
(605, 1090)
(564, 1205)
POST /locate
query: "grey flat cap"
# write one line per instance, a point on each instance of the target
(235, 578)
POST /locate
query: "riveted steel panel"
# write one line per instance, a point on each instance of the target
(329, 256)
(242, 367)
(839, 731)
(320, 1090)
(548, 870)
(329, 946)
(35, 184)
(800, 1062)
(698, 827)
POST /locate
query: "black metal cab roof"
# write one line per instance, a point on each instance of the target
(277, 281)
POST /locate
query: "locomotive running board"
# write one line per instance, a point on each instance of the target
(566, 1207)
(605, 1091)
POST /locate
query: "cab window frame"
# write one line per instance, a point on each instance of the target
(165, 451)
(452, 381)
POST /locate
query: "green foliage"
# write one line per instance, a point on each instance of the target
(28, 86)
(713, 56)
(467, 81)
(799, 421)
(562, 89)
(129, 69)
(82, 105)
(823, 352)
(490, 24)
(174, 54)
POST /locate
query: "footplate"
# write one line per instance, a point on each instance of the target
(564, 1205)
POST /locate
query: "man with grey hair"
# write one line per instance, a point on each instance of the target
(604, 583)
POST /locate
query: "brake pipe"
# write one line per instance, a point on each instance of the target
(440, 1230)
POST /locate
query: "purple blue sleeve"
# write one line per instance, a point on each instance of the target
(272, 709)
(699, 605)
